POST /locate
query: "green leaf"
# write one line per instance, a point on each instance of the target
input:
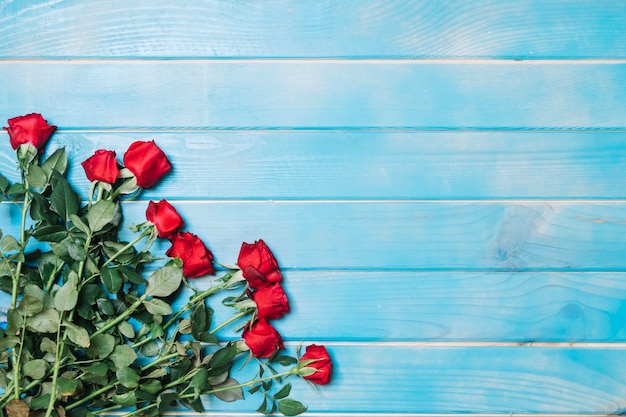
(123, 356)
(283, 392)
(40, 209)
(55, 162)
(164, 281)
(37, 177)
(47, 321)
(77, 334)
(4, 183)
(66, 297)
(66, 386)
(284, 360)
(200, 379)
(100, 214)
(223, 357)
(9, 244)
(8, 342)
(48, 345)
(50, 233)
(152, 386)
(127, 399)
(80, 224)
(65, 202)
(132, 276)
(126, 329)
(111, 279)
(40, 403)
(200, 319)
(234, 394)
(150, 349)
(15, 321)
(35, 369)
(156, 306)
(291, 407)
(166, 399)
(29, 306)
(101, 346)
(68, 247)
(127, 377)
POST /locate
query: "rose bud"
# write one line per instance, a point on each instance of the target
(165, 218)
(101, 166)
(271, 302)
(262, 339)
(197, 259)
(258, 264)
(147, 162)
(321, 364)
(32, 129)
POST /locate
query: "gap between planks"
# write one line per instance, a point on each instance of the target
(330, 60)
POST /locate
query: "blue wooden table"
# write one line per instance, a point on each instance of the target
(443, 182)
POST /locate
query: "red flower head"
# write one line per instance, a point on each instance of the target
(147, 162)
(31, 128)
(197, 259)
(165, 218)
(101, 166)
(271, 302)
(262, 339)
(258, 264)
(322, 364)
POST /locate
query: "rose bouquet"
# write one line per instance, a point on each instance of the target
(90, 326)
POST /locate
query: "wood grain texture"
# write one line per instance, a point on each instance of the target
(286, 165)
(527, 29)
(554, 236)
(317, 94)
(391, 378)
(435, 177)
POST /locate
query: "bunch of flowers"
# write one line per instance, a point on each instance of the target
(91, 326)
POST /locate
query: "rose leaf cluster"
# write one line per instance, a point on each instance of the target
(97, 324)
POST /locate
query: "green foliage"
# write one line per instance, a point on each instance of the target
(87, 331)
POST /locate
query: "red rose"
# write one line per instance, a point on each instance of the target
(101, 166)
(197, 259)
(322, 364)
(262, 339)
(258, 264)
(165, 218)
(147, 162)
(271, 302)
(31, 128)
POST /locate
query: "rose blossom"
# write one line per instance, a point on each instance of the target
(271, 302)
(147, 162)
(31, 128)
(322, 364)
(262, 339)
(258, 264)
(197, 259)
(164, 217)
(101, 166)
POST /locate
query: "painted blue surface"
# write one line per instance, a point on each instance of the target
(443, 182)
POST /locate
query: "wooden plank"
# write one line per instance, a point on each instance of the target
(391, 235)
(368, 165)
(317, 94)
(405, 306)
(388, 378)
(329, 28)
(408, 306)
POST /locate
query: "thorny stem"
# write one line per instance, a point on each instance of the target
(55, 374)
(198, 297)
(145, 233)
